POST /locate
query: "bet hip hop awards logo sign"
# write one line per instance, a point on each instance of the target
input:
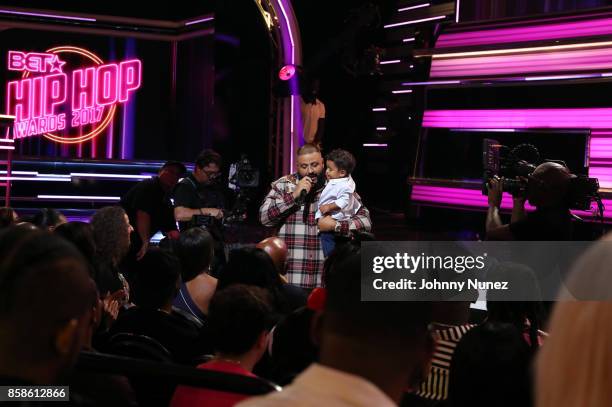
(67, 94)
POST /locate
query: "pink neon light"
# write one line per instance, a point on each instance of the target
(36, 62)
(543, 61)
(600, 158)
(35, 101)
(201, 20)
(58, 16)
(82, 88)
(473, 198)
(578, 118)
(130, 78)
(56, 85)
(422, 20)
(106, 83)
(413, 7)
(20, 91)
(286, 72)
(539, 32)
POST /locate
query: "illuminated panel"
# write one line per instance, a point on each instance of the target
(472, 198)
(81, 198)
(533, 32)
(546, 59)
(582, 118)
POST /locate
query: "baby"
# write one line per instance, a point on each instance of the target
(338, 196)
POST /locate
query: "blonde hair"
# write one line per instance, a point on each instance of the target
(574, 366)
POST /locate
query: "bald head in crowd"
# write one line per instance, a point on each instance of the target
(46, 305)
(548, 185)
(277, 250)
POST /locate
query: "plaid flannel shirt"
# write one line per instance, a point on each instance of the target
(305, 256)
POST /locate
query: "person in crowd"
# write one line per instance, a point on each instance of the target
(547, 190)
(313, 113)
(155, 287)
(239, 323)
(292, 349)
(195, 252)
(253, 266)
(8, 217)
(573, 366)
(111, 228)
(369, 351)
(200, 199)
(526, 316)
(80, 234)
(449, 325)
(46, 307)
(338, 197)
(277, 250)
(149, 208)
(48, 219)
(490, 367)
(290, 207)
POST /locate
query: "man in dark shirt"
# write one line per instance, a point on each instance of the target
(149, 207)
(198, 194)
(547, 190)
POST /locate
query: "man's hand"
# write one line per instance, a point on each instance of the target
(495, 192)
(305, 184)
(142, 251)
(215, 213)
(120, 296)
(327, 224)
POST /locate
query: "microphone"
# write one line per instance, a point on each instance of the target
(302, 196)
(303, 193)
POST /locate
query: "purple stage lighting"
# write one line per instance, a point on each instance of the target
(533, 32)
(577, 118)
(473, 198)
(554, 59)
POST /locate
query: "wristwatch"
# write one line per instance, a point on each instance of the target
(337, 227)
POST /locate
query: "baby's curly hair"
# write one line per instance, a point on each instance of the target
(109, 228)
(343, 159)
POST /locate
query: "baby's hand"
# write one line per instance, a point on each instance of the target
(325, 209)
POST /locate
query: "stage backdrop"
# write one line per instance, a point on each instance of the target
(97, 97)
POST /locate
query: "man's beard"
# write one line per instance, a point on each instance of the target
(318, 179)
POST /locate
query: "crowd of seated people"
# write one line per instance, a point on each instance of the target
(65, 292)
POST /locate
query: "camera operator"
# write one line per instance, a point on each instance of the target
(547, 189)
(199, 200)
(198, 194)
